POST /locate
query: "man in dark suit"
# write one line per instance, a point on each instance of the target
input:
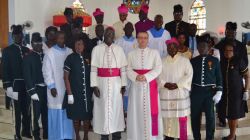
(177, 25)
(192, 39)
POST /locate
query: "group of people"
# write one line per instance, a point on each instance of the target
(148, 82)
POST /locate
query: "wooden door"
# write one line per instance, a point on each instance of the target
(4, 23)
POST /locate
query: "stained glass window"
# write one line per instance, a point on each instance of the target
(135, 5)
(198, 16)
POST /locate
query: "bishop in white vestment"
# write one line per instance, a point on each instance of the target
(108, 77)
(175, 85)
(144, 118)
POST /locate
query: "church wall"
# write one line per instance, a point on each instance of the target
(218, 11)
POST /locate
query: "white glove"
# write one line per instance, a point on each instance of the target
(245, 96)
(70, 99)
(217, 97)
(15, 96)
(9, 92)
(35, 97)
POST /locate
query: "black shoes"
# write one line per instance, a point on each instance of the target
(222, 123)
(17, 137)
(226, 138)
(27, 135)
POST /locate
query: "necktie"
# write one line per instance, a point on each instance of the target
(177, 28)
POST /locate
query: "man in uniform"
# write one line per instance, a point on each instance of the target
(206, 89)
(33, 77)
(14, 84)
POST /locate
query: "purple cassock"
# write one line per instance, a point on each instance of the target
(143, 26)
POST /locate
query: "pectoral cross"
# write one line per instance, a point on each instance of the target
(110, 71)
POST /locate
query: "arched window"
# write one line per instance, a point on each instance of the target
(198, 15)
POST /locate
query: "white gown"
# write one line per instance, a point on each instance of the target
(53, 74)
(139, 125)
(175, 103)
(127, 45)
(108, 114)
(59, 126)
(158, 43)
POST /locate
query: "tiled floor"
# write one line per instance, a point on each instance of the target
(96, 137)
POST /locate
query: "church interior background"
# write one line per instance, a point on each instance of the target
(209, 15)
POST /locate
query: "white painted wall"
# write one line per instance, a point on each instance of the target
(41, 11)
(221, 11)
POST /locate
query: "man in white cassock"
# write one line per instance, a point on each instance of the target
(59, 126)
(108, 78)
(158, 36)
(144, 118)
(175, 85)
(128, 43)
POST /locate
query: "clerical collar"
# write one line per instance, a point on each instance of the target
(131, 39)
(59, 48)
(144, 20)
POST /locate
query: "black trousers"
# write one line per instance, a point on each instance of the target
(40, 109)
(115, 136)
(202, 100)
(7, 102)
(22, 114)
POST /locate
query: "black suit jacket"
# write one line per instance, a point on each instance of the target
(171, 27)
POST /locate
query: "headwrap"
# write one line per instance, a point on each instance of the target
(172, 40)
(144, 8)
(98, 12)
(123, 9)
